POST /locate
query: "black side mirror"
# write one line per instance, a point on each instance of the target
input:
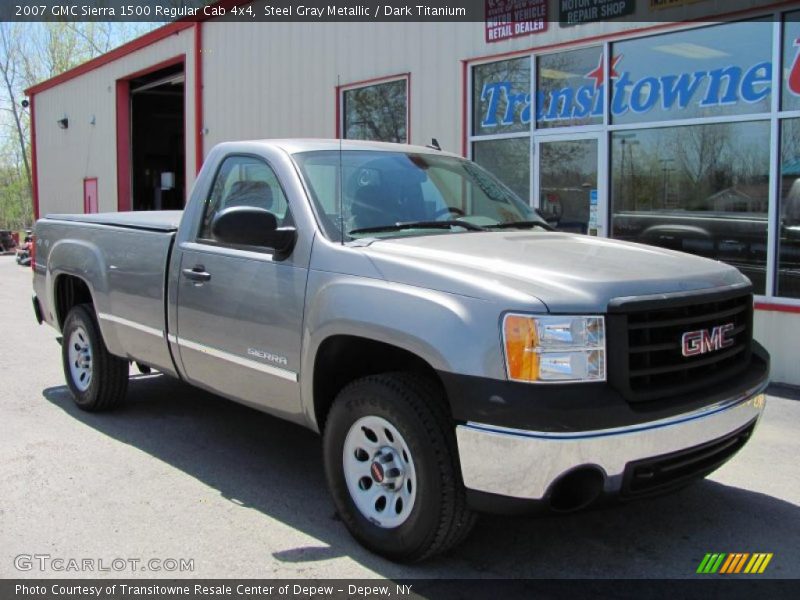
(251, 226)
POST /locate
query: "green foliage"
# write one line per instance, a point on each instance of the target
(31, 53)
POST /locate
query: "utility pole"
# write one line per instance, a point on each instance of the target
(667, 170)
(627, 142)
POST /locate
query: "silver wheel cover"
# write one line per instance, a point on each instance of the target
(79, 354)
(379, 472)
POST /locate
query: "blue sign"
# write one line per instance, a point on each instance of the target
(707, 89)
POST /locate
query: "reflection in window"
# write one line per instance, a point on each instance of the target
(708, 72)
(377, 112)
(789, 228)
(791, 62)
(701, 189)
(501, 97)
(568, 180)
(509, 160)
(569, 88)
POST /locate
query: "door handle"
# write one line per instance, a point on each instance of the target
(197, 273)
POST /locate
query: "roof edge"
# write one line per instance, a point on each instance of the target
(130, 47)
(120, 51)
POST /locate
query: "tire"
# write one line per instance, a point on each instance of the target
(97, 379)
(417, 463)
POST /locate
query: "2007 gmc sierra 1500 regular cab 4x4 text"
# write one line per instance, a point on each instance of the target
(456, 354)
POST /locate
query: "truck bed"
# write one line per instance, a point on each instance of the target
(153, 220)
(122, 258)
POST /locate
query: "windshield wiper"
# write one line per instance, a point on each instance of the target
(419, 225)
(522, 224)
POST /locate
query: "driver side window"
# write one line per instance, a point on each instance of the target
(244, 181)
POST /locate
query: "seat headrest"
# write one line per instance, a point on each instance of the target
(250, 193)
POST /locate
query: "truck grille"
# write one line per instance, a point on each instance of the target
(646, 360)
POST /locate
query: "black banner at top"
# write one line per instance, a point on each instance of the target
(524, 16)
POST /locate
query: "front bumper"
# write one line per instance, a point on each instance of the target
(523, 464)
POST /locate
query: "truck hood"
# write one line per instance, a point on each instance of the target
(566, 272)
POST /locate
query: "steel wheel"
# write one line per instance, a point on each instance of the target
(391, 463)
(379, 472)
(97, 379)
(79, 353)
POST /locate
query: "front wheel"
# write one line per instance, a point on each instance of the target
(392, 467)
(97, 379)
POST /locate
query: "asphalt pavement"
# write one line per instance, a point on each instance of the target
(177, 474)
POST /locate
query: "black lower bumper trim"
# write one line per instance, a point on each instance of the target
(582, 407)
(662, 474)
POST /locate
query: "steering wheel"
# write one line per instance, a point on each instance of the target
(449, 210)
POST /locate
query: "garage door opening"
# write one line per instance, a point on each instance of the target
(157, 146)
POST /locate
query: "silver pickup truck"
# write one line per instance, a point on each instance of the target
(455, 353)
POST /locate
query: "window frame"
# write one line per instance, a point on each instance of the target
(212, 243)
(341, 89)
(774, 115)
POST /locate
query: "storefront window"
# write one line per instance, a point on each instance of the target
(701, 189)
(788, 283)
(501, 97)
(377, 112)
(569, 88)
(707, 72)
(568, 184)
(509, 160)
(791, 62)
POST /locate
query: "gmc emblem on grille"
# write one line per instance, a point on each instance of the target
(694, 343)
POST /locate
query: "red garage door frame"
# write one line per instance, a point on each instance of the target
(124, 202)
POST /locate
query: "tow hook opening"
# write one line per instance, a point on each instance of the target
(576, 489)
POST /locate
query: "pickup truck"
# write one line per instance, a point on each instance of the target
(738, 237)
(456, 354)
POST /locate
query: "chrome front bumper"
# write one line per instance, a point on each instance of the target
(524, 464)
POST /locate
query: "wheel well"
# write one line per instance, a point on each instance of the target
(69, 292)
(344, 358)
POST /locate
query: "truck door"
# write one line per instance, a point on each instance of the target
(239, 311)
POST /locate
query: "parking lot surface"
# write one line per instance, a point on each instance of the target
(177, 473)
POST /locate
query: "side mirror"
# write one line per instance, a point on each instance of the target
(251, 226)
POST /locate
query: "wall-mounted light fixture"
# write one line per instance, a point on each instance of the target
(63, 123)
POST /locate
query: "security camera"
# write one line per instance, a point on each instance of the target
(25, 103)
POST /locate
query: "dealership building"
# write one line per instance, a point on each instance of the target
(680, 133)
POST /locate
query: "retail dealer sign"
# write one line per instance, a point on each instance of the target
(506, 19)
(576, 12)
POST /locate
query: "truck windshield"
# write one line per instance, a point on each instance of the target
(390, 194)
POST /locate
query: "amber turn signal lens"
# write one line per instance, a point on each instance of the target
(520, 342)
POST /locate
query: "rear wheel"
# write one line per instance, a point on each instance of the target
(97, 379)
(392, 467)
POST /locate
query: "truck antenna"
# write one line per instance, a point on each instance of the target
(341, 169)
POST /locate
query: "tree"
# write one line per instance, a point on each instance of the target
(11, 72)
(31, 53)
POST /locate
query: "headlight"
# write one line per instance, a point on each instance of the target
(554, 348)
